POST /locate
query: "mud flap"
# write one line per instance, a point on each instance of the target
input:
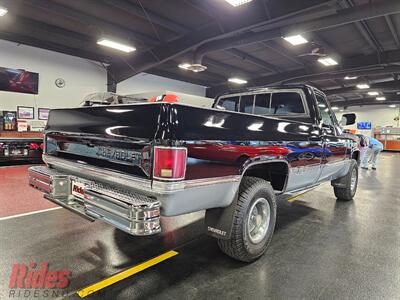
(340, 182)
(219, 221)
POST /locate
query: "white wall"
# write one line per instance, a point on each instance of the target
(81, 75)
(144, 82)
(378, 115)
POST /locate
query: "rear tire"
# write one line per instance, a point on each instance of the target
(253, 222)
(347, 192)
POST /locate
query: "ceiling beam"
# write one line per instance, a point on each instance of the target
(103, 27)
(365, 101)
(340, 74)
(354, 66)
(393, 30)
(342, 17)
(389, 86)
(169, 50)
(56, 35)
(175, 76)
(154, 18)
(364, 28)
(254, 60)
(173, 26)
(273, 45)
(39, 43)
(228, 70)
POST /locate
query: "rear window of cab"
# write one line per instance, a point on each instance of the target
(281, 103)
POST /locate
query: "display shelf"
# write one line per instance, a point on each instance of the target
(15, 134)
(389, 137)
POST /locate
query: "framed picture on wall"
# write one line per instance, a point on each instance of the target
(43, 113)
(8, 120)
(25, 112)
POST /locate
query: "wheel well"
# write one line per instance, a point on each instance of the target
(274, 172)
(356, 156)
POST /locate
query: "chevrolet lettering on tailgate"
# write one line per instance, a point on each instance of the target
(117, 154)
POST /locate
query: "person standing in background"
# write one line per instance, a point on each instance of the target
(363, 143)
(375, 147)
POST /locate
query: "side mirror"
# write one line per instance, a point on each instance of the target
(348, 119)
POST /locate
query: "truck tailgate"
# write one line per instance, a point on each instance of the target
(114, 137)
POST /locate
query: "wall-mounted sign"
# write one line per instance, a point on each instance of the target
(43, 113)
(364, 125)
(20, 81)
(25, 112)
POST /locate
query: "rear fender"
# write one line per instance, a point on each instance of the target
(219, 221)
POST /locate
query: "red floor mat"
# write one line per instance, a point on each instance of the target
(16, 196)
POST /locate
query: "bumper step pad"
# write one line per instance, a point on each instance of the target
(133, 213)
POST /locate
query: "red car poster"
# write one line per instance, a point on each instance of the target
(20, 81)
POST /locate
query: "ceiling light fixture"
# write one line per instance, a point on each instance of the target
(392, 106)
(185, 66)
(328, 61)
(237, 2)
(350, 77)
(380, 98)
(295, 39)
(237, 80)
(363, 86)
(116, 45)
(373, 93)
(192, 67)
(3, 11)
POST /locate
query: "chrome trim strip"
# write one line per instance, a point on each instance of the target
(132, 182)
(82, 169)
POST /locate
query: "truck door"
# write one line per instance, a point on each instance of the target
(334, 147)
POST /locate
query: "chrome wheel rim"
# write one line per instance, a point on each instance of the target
(353, 181)
(258, 220)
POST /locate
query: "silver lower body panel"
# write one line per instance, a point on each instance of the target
(175, 198)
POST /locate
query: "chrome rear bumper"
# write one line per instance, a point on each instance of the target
(131, 212)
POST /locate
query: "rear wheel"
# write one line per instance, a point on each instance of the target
(350, 181)
(254, 221)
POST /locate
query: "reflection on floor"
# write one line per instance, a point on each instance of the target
(322, 249)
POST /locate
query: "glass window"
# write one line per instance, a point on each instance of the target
(262, 104)
(286, 103)
(246, 103)
(229, 103)
(324, 110)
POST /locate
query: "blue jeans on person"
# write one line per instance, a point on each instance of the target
(375, 150)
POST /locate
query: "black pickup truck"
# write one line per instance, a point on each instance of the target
(130, 164)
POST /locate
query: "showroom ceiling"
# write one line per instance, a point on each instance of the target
(244, 42)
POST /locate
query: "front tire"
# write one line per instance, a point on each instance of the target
(350, 181)
(253, 222)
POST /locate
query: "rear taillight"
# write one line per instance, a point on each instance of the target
(169, 163)
(41, 146)
(33, 146)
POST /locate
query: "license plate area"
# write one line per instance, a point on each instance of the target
(77, 189)
(17, 152)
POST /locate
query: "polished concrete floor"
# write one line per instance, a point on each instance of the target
(322, 249)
